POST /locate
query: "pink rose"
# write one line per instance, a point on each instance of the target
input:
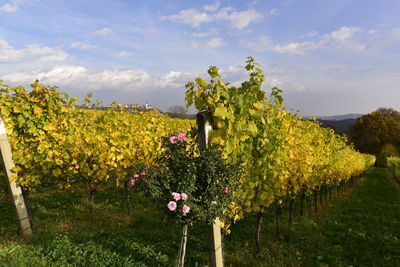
(132, 182)
(184, 196)
(226, 190)
(176, 196)
(182, 136)
(136, 176)
(185, 209)
(173, 139)
(143, 174)
(171, 205)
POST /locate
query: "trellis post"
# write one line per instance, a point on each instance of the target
(215, 240)
(15, 190)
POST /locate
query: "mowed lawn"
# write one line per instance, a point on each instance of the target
(359, 228)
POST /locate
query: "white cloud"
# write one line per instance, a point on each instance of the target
(12, 6)
(296, 48)
(9, 54)
(189, 16)
(174, 79)
(395, 32)
(356, 47)
(342, 38)
(211, 8)
(210, 44)
(76, 77)
(59, 57)
(9, 8)
(373, 31)
(275, 82)
(103, 31)
(265, 44)
(215, 42)
(274, 12)
(81, 78)
(234, 75)
(345, 33)
(82, 46)
(124, 54)
(236, 19)
(205, 34)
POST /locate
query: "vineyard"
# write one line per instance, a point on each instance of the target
(394, 166)
(260, 159)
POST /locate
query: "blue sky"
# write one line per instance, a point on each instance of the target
(329, 57)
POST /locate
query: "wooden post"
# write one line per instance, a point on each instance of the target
(182, 249)
(15, 190)
(215, 240)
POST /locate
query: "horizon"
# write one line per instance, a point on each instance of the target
(336, 57)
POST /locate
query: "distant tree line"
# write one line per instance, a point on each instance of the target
(180, 112)
(378, 133)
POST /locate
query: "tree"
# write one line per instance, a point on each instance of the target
(389, 112)
(375, 131)
(178, 112)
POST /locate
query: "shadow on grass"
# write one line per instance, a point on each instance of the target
(360, 228)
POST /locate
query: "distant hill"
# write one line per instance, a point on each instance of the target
(339, 126)
(339, 123)
(340, 117)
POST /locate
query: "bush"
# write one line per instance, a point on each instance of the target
(197, 187)
(388, 150)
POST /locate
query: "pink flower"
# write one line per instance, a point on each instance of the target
(136, 176)
(182, 136)
(185, 209)
(171, 205)
(143, 174)
(132, 182)
(176, 196)
(173, 139)
(184, 196)
(226, 190)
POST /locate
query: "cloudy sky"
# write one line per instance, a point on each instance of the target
(329, 57)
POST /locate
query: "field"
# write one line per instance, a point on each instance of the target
(361, 228)
(121, 187)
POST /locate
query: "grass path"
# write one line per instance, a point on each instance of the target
(360, 228)
(366, 224)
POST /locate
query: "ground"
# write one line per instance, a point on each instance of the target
(358, 228)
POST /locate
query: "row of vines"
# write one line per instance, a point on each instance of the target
(55, 142)
(394, 166)
(282, 157)
(260, 154)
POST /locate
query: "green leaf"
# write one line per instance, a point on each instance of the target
(221, 112)
(56, 172)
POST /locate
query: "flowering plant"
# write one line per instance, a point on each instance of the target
(194, 187)
(135, 178)
(172, 205)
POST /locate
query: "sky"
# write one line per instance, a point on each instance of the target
(329, 57)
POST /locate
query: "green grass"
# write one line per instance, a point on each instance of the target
(360, 228)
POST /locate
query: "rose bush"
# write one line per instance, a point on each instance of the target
(193, 185)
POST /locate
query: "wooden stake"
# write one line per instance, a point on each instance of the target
(215, 240)
(182, 249)
(14, 188)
